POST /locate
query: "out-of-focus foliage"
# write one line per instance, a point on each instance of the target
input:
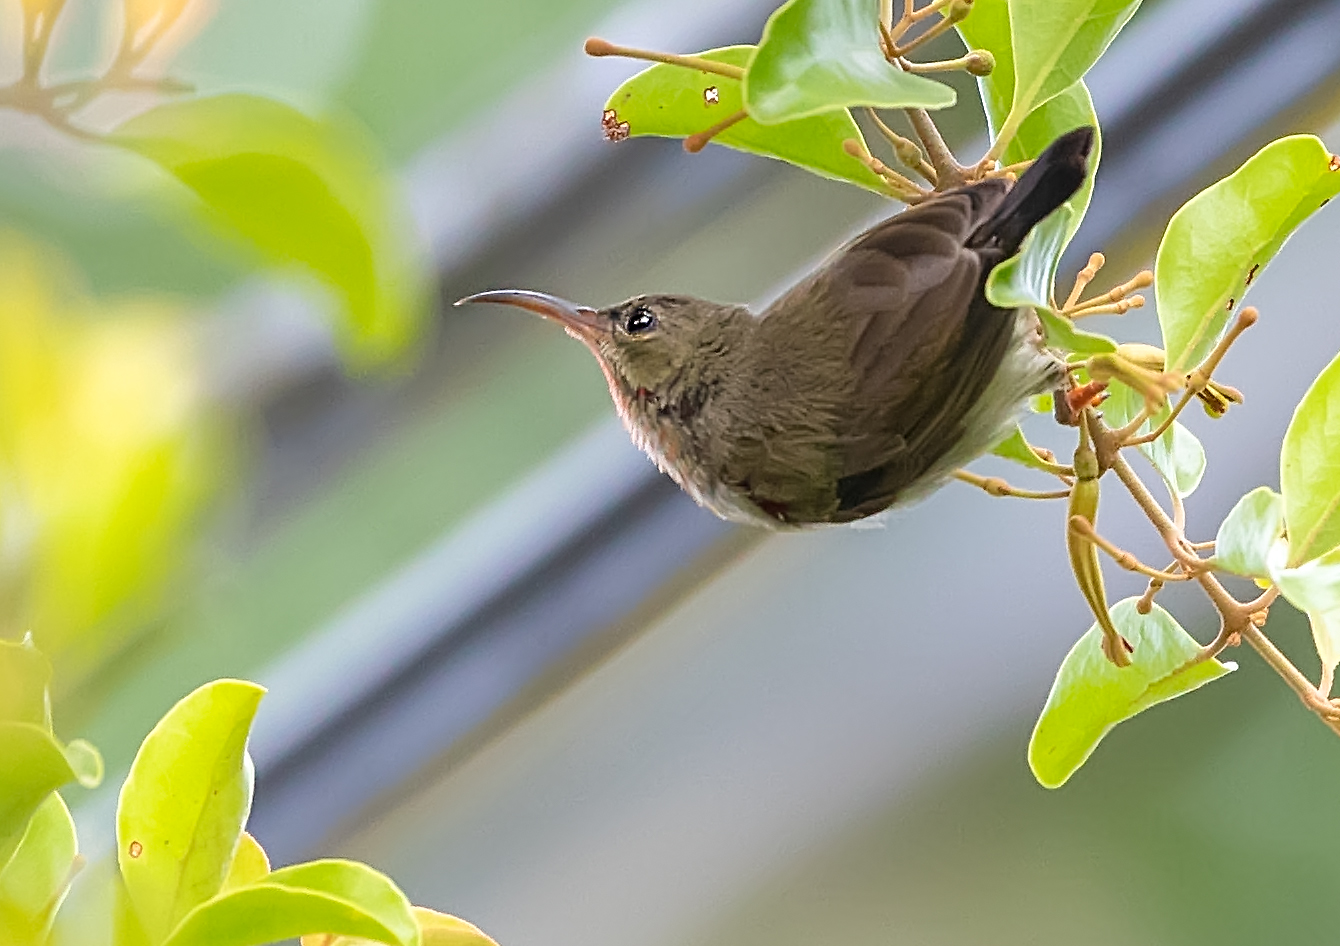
(108, 450)
(302, 192)
(189, 875)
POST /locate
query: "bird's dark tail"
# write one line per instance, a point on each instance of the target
(1056, 174)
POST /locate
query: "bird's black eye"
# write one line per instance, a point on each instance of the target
(640, 320)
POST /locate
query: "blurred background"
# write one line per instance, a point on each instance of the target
(508, 662)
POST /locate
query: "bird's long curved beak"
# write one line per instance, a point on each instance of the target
(579, 320)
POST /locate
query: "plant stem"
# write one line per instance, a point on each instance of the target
(595, 46)
(948, 172)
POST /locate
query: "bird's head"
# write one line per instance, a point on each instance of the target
(652, 347)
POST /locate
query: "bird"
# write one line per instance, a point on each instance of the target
(862, 387)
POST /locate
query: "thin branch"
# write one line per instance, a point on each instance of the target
(998, 487)
(1300, 684)
(595, 46)
(1123, 558)
(948, 172)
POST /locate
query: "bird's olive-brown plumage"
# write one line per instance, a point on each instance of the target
(864, 385)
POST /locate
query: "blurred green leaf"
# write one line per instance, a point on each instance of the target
(1314, 588)
(24, 676)
(301, 192)
(1248, 533)
(673, 102)
(1091, 695)
(1310, 469)
(822, 55)
(1177, 453)
(184, 803)
(1218, 242)
(1054, 43)
(330, 896)
(35, 765)
(438, 929)
(38, 875)
(107, 452)
(1026, 278)
(250, 863)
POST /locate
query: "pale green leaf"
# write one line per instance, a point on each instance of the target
(1314, 588)
(1310, 469)
(1249, 532)
(302, 192)
(1091, 695)
(1017, 448)
(821, 55)
(332, 896)
(1061, 333)
(1177, 453)
(1219, 241)
(1054, 43)
(184, 803)
(674, 102)
(38, 875)
(250, 863)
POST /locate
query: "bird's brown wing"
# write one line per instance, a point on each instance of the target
(897, 307)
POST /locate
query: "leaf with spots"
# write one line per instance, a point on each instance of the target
(1219, 241)
(184, 804)
(673, 102)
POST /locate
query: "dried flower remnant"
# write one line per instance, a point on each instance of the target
(711, 95)
(136, 848)
(1335, 162)
(615, 130)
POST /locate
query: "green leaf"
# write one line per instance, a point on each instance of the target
(249, 864)
(1029, 277)
(35, 765)
(1314, 588)
(1249, 532)
(24, 676)
(821, 55)
(438, 929)
(1091, 695)
(1061, 333)
(1015, 447)
(38, 875)
(1177, 454)
(1310, 469)
(331, 896)
(1071, 109)
(1026, 280)
(1218, 242)
(673, 102)
(184, 803)
(988, 27)
(301, 192)
(1054, 43)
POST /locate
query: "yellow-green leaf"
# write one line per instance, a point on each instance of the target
(1310, 469)
(329, 896)
(184, 803)
(1091, 694)
(674, 102)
